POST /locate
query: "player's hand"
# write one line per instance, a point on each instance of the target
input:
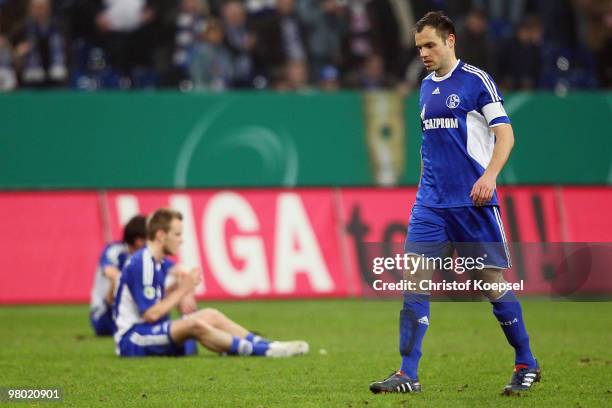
(188, 305)
(190, 279)
(483, 189)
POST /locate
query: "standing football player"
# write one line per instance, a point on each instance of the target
(467, 139)
(142, 305)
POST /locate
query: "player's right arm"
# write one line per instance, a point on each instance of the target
(186, 284)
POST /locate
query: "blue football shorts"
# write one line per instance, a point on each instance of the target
(146, 339)
(470, 231)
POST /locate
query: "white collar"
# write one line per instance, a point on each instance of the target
(448, 74)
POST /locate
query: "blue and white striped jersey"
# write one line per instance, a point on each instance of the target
(114, 254)
(141, 286)
(458, 111)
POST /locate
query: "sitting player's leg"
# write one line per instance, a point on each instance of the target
(219, 320)
(190, 327)
(194, 326)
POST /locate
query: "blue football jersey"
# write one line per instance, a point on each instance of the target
(140, 287)
(458, 111)
(114, 254)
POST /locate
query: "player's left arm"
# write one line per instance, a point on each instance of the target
(110, 267)
(483, 189)
(113, 274)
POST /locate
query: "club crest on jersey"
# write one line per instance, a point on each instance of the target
(453, 101)
(149, 292)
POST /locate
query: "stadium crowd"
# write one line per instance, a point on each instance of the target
(294, 44)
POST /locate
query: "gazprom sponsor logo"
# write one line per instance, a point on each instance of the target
(441, 123)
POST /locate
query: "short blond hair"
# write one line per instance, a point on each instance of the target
(161, 220)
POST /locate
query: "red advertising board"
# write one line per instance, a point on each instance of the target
(52, 243)
(274, 243)
(586, 213)
(252, 243)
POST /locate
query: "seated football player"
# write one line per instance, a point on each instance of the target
(143, 303)
(107, 274)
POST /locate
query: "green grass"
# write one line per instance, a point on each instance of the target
(466, 358)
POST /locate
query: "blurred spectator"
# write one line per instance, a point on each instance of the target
(399, 57)
(211, 65)
(149, 43)
(559, 20)
(239, 40)
(605, 65)
(259, 8)
(387, 21)
(8, 81)
(456, 9)
(382, 27)
(504, 11)
(12, 13)
(591, 24)
(294, 77)
(473, 43)
(521, 60)
(40, 51)
(280, 39)
(124, 16)
(326, 23)
(360, 39)
(595, 28)
(371, 76)
(328, 79)
(190, 24)
(123, 25)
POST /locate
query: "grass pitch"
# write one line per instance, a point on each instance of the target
(466, 360)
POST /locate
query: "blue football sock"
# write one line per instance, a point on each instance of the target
(414, 321)
(253, 338)
(191, 347)
(240, 347)
(260, 349)
(244, 347)
(507, 310)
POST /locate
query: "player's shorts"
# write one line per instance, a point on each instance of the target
(147, 339)
(101, 319)
(472, 231)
